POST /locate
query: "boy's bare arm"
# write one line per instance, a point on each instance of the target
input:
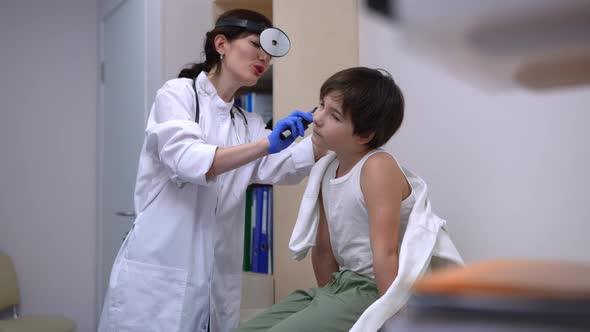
(381, 183)
(322, 257)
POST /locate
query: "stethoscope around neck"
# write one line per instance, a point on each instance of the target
(232, 112)
(273, 41)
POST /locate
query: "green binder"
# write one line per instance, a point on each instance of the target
(248, 232)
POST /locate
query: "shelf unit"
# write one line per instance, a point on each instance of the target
(262, 6)
(324, 38)
(257, 288)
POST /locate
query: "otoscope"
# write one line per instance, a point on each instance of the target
(287, 132)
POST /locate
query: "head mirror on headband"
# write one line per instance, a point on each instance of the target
(273, 41)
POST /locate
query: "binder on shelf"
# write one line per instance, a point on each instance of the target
(239, 103)
(258, 228)
(256, 231)
(253, 217)
(260, 234)
(259, 103)
(270, 228)
(247, 262)
(264, 247)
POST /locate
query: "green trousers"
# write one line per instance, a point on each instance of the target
(334, 307)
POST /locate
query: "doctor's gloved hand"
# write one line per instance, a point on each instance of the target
(295, 123)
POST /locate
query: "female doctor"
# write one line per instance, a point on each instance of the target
(180, 267)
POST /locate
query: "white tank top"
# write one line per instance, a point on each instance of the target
(348, 221)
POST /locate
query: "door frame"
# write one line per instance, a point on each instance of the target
(153, 80)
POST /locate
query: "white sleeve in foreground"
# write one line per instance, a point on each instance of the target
(289, 166)
(178, 144)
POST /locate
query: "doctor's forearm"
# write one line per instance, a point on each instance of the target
(232, 157)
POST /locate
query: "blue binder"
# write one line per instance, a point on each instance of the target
(260, 240)
(270, 229)
(264, 237)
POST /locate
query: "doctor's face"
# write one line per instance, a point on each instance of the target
(245, 59)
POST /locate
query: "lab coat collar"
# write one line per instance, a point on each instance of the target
(205, 87)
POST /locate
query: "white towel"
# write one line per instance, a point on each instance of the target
(304, 232)
(425, 236)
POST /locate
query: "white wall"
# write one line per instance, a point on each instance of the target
(184, 24)
(48, 139)
(508, 170)
(48, 94)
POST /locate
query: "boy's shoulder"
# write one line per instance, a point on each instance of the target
(380, 160)
(379, 164)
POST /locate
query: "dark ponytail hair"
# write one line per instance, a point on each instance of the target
(212, 58)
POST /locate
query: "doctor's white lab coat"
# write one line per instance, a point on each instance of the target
(180, 267)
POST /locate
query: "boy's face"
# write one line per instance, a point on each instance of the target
(333, 130)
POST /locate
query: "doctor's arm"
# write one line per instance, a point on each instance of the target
(322, 258)
(232, 157)
(382, 189)
(173, 137)
(229, 158)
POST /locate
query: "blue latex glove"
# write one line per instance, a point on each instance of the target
(293, 122)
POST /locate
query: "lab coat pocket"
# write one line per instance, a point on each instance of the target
(147, 297)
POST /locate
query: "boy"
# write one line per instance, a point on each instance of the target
(364, 197)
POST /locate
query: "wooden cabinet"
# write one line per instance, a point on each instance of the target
(324, 38)
(262, 6)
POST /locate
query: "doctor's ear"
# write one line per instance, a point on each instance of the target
(220, 43)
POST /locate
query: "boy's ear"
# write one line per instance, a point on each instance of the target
(366, 138)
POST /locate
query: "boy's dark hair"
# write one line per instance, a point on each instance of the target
(373, 100)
